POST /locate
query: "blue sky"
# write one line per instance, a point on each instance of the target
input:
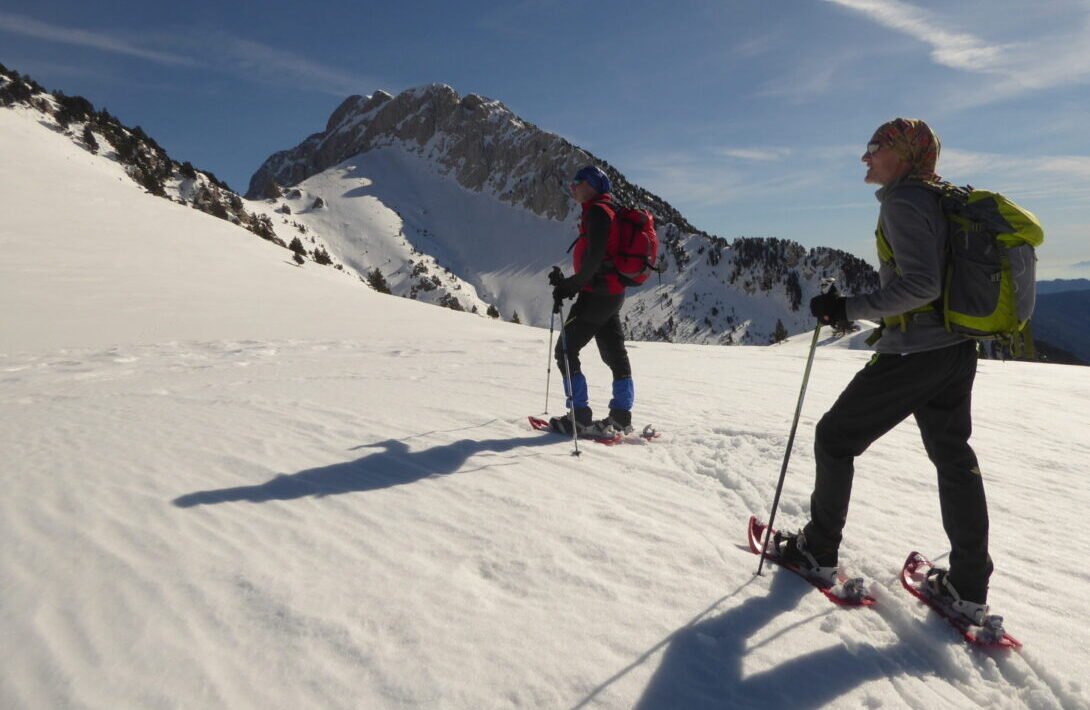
(748, 116)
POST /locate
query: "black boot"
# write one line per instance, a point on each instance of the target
(584, 418)
(820, 565)
(620, 419)
(941, 590)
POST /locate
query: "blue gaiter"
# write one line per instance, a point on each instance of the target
(577, 390)
(624, 394)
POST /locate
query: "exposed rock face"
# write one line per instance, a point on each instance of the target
(477, 140)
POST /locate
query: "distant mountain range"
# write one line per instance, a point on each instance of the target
(1061, 320)
(1062, 285)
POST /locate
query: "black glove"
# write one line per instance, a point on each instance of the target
(555, 276)
(829, 308)
(565, 288)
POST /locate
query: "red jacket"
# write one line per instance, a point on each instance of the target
(589, 258)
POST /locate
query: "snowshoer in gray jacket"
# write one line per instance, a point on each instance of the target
(920, 369)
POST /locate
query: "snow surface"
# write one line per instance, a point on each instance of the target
(232, 482)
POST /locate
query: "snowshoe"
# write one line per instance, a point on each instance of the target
(562, 425)
(838, 588)
(929, 584)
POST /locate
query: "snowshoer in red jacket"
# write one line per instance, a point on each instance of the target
(596, 312)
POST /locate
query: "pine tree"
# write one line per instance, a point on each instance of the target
(377, 281)
(515, 317)
(89, 139)
(493, 312)
(794, 289)
(780, 334)
(449, 301)
(261, 225)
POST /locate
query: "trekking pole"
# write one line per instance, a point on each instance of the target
(554, 278)
(787, 454)
(559, 308)
(790, 443)
(549, 360)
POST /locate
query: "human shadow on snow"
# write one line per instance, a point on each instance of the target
(394, 465)
(704, 664)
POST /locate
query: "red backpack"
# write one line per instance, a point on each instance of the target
(632, 249)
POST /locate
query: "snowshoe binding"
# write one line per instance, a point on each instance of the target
(821, 570)
(930, 585)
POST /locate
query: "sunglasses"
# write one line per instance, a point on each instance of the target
(577, 181)
(873, 147)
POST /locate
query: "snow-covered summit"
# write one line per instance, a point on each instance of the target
(476, 140)
(461, 181)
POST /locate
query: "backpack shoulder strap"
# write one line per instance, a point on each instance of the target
(611, 209)
(952, 198)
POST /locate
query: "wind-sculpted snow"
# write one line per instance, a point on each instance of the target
(232, 482)
(283, 523)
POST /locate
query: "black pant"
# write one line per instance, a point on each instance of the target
(936, 387)
(595, 316)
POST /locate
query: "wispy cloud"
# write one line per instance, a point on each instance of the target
(959, 50)
(1055, 60)
(706, 179)
(761, 155)
(809, 80)
(756, 45)
(818, 72)
(29, 27)
(1063, 178)
(1071, 167)
(192, 48)
(260, 62)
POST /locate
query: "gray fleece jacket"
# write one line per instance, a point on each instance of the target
(915, 227)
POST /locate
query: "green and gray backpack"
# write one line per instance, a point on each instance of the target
(990, 285)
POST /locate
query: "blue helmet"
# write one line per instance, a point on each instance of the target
(594, 177)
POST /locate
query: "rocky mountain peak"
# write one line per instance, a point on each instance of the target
(353, 104)
(475, 139)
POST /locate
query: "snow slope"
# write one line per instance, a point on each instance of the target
(432, 238)
(232, 482)
(447, 230)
